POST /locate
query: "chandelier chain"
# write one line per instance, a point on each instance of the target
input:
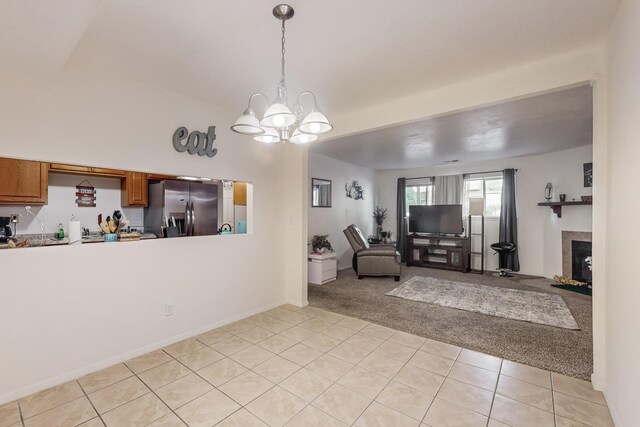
(283, 51)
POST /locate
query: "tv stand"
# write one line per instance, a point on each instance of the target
(449, 253)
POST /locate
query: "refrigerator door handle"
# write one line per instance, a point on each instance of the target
(187, 219)
(193, 219)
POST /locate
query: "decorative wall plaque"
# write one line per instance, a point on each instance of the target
(199, 143)
(85, 195)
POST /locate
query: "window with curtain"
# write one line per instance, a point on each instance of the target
(487, 188)
(418, 194)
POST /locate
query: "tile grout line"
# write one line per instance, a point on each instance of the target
(553, 401)
(91, 402)
(440, 388)
(495, 392)
(393, 378)
(320, 316)
(251, 370)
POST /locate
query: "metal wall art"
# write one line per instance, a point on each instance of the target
(199, 143)
(354, 190)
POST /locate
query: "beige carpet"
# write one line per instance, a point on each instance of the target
(555, 349)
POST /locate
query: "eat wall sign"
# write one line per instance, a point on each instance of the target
(197, 142)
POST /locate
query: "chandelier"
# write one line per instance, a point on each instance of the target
(279, 123)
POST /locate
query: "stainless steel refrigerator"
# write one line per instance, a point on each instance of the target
(191, 207)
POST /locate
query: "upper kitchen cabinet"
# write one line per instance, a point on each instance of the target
(23, 182)
(86, 170)
(240, 193)
(135, 189)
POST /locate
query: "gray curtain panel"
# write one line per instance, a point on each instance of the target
(448, 190)
(401, 211)
(508, 217)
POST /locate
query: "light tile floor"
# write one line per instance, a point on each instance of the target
(310, 367)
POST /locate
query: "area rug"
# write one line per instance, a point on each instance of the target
(535, 307)
(584, 290)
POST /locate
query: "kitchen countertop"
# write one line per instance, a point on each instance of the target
(35, 240)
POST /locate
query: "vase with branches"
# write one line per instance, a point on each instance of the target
(379, 214)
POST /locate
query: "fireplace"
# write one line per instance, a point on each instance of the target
(581, 261)
(576, 255)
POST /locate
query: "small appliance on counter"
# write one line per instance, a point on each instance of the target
(225, 229)
(5, 229)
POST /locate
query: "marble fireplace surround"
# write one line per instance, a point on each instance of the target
(567, 237)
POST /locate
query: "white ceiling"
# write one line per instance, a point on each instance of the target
(351, 53)
(38, 37)
(536, 125)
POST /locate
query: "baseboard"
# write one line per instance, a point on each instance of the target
(77, 373)
(597, 382)
(617, 421)
(296, 303)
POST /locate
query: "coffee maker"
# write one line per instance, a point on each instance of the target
(5, 229)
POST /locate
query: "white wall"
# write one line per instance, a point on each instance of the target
(61, 205)
(539, 230)
(59, 323)
(344, 210)
(623, 293)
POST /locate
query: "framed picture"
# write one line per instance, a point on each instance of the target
(588, 174)
(320, 193)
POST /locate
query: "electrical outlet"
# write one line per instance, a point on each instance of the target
(168, 309)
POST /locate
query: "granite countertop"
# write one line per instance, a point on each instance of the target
(35, 240)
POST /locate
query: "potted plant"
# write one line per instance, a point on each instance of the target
(379, 214)
(320, 244)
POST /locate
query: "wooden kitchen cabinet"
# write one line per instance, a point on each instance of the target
(62, 168)
(240, 193)
(135, 189)
(23, 182)
(159, 177)
(86, 170)
(108, 172)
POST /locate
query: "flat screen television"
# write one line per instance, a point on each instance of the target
(436, 219)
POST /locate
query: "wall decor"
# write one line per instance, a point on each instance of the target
(354, 190)
(548, 191)
(85, 195)
(320, 193)
(588, 174)
(199, 143)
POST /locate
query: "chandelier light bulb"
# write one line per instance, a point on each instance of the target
(278, 121)
(302, 138)
(315, 123)
(268, 137)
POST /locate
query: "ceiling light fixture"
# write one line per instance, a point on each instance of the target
(279, 123)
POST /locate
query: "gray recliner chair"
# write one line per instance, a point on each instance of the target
(377, 260)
